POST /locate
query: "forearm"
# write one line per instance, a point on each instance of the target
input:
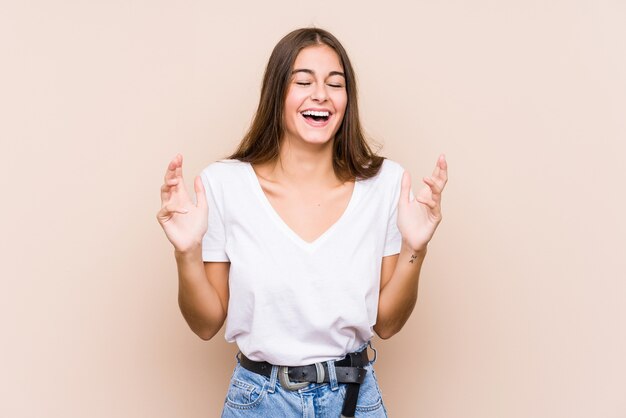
(197, 298)
(399, 296)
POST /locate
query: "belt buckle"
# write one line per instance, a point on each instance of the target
(283, 377)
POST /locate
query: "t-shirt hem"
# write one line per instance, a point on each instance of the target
(214, 255)
(392, 248)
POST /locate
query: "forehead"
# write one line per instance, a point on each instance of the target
(319, 58)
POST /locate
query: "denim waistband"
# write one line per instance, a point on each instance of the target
(334, 385)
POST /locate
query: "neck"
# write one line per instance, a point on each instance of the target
(302, 164)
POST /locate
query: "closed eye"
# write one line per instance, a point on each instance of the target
(336, 85)
(303, 83)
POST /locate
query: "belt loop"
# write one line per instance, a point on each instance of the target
(319, 371)
(273, 378)
(332, 375)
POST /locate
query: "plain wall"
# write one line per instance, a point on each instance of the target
(521, 307)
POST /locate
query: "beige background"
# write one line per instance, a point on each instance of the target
(521, 309)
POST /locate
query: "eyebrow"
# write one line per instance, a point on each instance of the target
(306, 70)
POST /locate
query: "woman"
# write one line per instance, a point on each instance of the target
(306, 238)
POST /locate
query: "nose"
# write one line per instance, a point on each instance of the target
(319, 93)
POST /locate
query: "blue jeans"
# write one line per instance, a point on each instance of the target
(254, 395)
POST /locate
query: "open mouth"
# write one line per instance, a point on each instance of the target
(319, 116)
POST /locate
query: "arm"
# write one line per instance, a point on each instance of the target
(417, 220)
(202, 292)
(202, 287)
(398, 290)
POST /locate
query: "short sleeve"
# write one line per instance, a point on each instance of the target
(214, 240)
(393, 238)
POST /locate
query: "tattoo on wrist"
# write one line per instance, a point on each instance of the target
(413, 257)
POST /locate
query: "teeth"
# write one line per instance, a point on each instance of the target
(316, 113)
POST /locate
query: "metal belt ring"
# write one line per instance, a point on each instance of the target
(369, 343)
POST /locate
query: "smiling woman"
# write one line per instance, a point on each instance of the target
(304, 241)
(316, 97)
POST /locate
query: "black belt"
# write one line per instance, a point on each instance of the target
(349, 370)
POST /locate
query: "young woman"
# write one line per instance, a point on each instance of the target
(305, 238)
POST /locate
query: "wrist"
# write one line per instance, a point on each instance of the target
(190, 253)
(418, 250)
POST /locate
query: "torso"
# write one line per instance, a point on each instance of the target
(293, 302)
(308, 212)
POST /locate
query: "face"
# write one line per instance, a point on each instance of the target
(316, 97)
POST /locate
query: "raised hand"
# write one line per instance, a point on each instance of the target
(418, 219)
(184, 222)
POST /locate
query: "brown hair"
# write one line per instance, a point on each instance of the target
(352, 157)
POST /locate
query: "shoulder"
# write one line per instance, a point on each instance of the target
(390, 172)
(223, 175)
(388, 180)
(392, 167)
(223, 169)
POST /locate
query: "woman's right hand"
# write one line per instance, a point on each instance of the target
(183, 222)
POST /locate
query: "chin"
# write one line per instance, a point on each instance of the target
(317, 139)
(317, 136)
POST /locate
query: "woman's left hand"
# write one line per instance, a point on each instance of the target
(418, 219)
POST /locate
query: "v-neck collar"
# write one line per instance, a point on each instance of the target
(282, 225)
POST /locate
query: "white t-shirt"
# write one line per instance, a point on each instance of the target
(292, 302)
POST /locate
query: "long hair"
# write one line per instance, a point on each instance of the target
(352, 156)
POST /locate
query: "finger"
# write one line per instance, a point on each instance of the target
(428, 202)
(438, 165)
(200, 193)
(440, 174)
(434, 187)
(405, 187)
(442, 170)
(167, 211)
(166, 189)
(170, 172)
(170, 183)
(432, 206)
(178, 172)
(165, 193)
(172, 208)
(179, 166)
